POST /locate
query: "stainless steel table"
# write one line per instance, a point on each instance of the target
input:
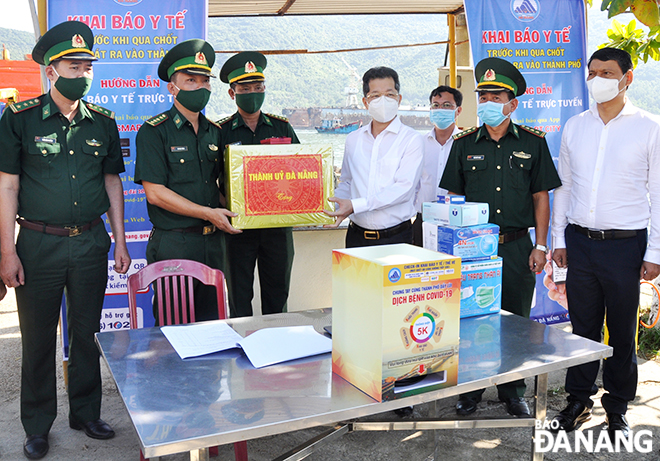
(177, 406)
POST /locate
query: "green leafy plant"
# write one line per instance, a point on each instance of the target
(646, 11)
(649, 343)
(636, 41)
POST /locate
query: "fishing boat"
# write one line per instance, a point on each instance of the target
(334, 126)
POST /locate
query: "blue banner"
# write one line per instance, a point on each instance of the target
(131, 37)
(546, 41)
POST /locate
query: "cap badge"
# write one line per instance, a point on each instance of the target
(77, 41)
(489, 76)
(250, 67)
(200, 58)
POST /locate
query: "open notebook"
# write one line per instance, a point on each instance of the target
(264, 347)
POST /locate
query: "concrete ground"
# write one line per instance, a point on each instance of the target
(455, 444)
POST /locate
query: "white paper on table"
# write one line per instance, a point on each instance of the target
(274, 345)
(201, 338)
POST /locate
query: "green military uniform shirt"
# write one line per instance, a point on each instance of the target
(61, 164)
(234, 130)
(505, 173)
(171, 154)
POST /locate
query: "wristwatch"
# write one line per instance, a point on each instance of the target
(542, 248)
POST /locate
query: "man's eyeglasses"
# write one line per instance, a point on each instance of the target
(371, 96)
(444, 105)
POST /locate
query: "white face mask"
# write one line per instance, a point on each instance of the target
(604, 89)
(383, 109)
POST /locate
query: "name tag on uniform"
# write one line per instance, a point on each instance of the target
(45, 139)
(179, 148)
(475, 157)
(522, 155)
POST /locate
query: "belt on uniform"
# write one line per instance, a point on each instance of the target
(610, 234)
(382, 233)
(511, 236)
(62, 231)
(207, 229)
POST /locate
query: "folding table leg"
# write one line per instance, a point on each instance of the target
(142, 458)
(541, 406)
(436, 449)
(199, 455)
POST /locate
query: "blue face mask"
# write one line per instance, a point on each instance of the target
(491, 113)
(442, 118)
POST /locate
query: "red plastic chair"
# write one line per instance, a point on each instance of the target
(173, 279)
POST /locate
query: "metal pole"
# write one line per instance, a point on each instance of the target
(451, 21)
(40, 28)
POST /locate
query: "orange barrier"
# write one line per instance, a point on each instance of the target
(657, 292)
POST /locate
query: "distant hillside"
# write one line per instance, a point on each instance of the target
(319, 79)
(18, 43)
(303, 80)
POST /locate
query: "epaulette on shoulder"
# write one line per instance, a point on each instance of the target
(213, 123)
(279, 117)
(24, 105)
(100, 110)
(529, 129)
(465, 132)
(222, 121)
(158, 119)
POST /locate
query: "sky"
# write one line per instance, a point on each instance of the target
(16, 15)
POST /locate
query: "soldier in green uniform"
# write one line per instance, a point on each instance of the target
(179, 161)
(60, 160)
(509, 167)
(273, 247)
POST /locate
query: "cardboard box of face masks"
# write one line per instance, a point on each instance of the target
(481, 352)
(395, 319)
(455, 214)
(470, 243)
(481, 287)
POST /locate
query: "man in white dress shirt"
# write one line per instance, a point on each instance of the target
(445, 107)
(609, 161)
(381, 169)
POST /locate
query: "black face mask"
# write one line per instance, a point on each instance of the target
(250, 102)
(72, 88)
(194, 100)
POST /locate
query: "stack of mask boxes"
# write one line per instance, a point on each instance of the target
(461, 228)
